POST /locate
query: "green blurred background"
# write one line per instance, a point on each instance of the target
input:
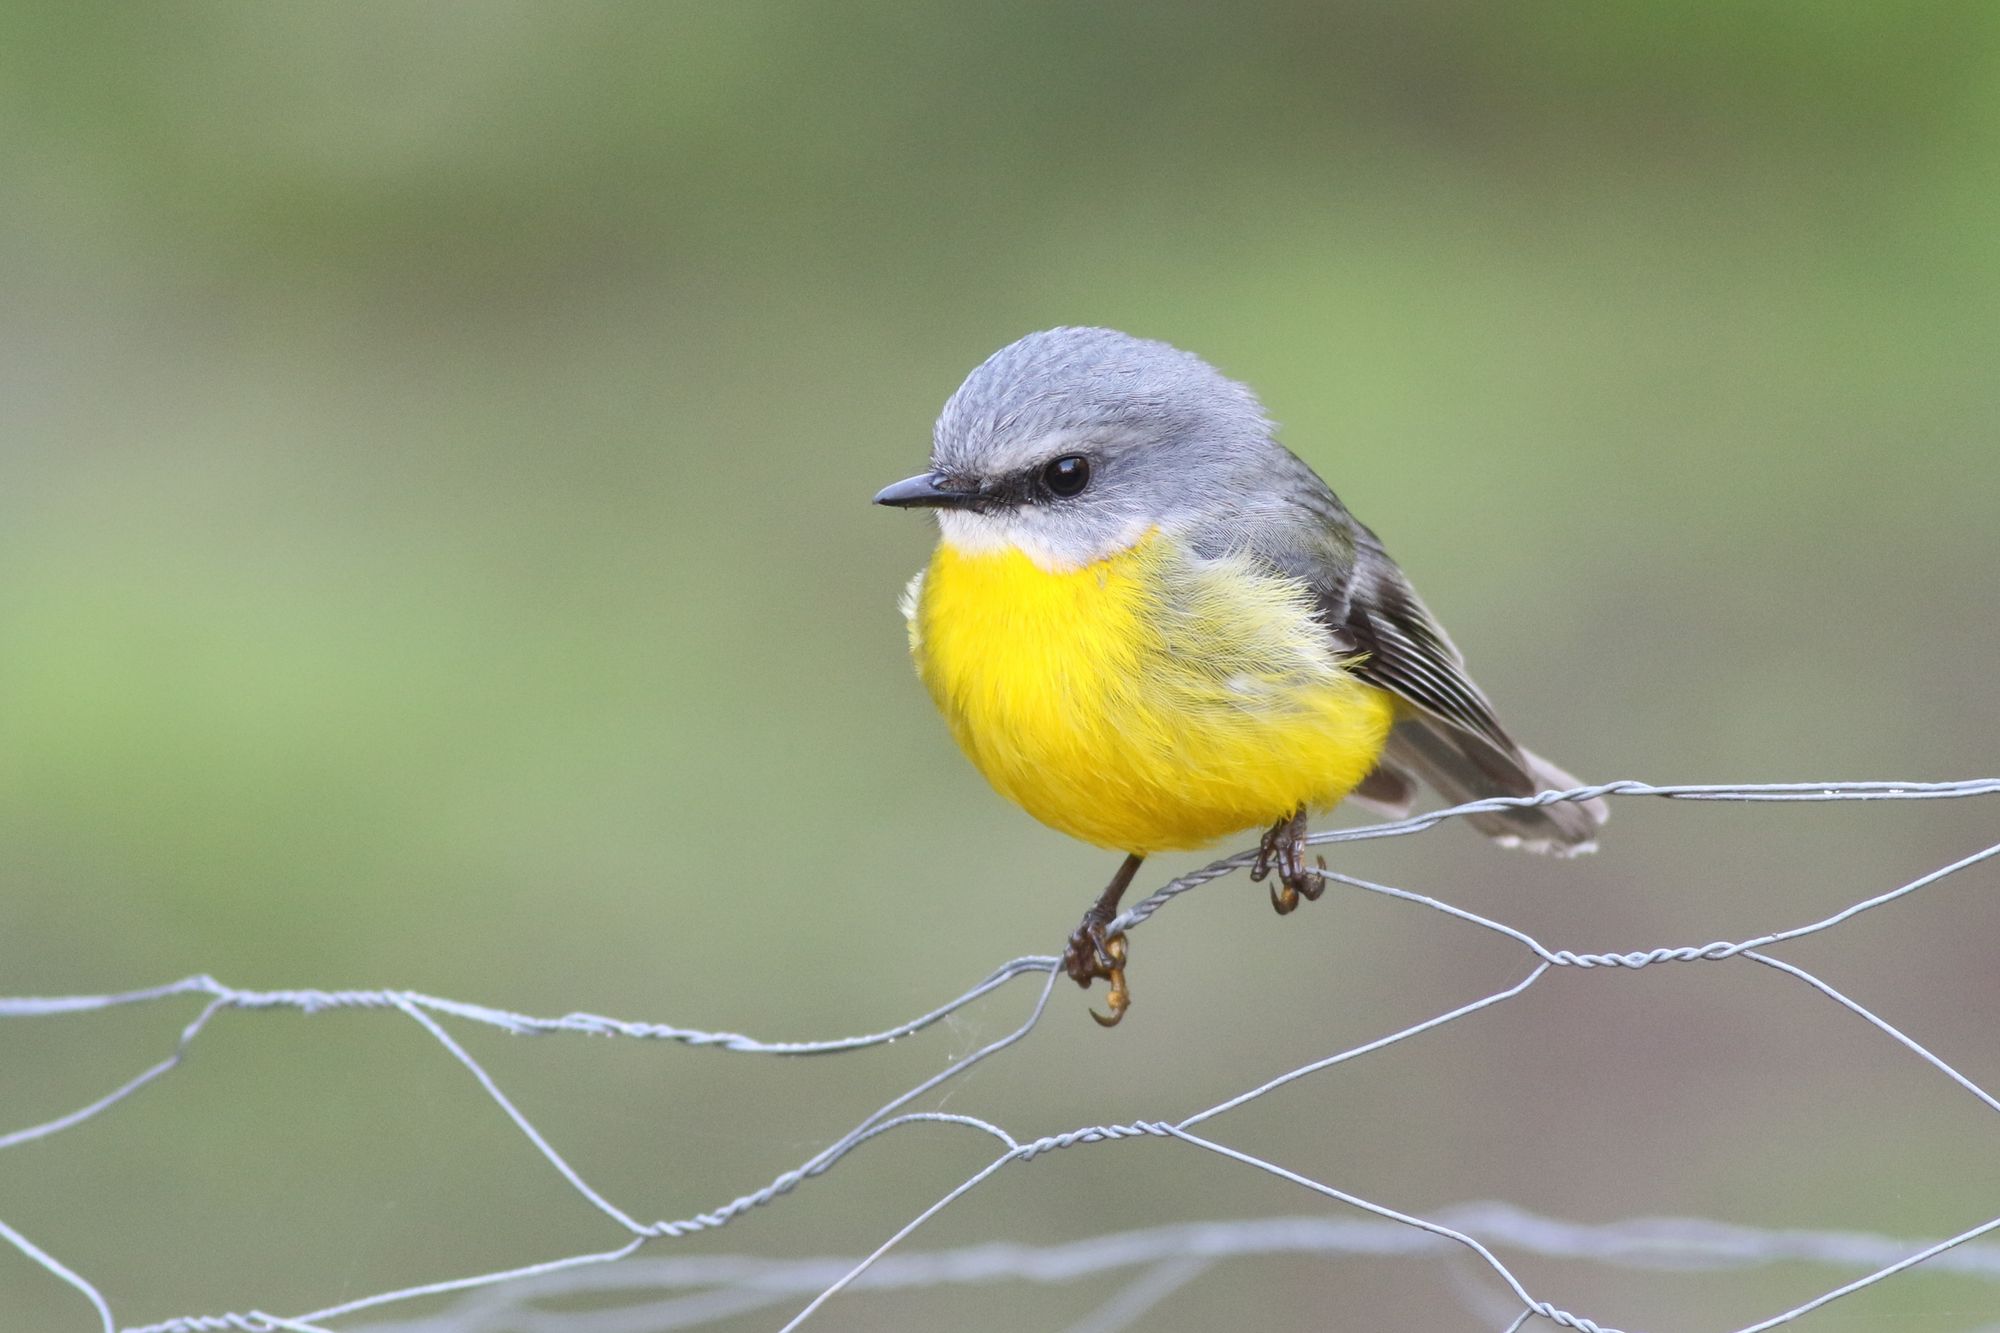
(435, 553)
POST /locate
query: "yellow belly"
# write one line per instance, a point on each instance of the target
(1150, 702)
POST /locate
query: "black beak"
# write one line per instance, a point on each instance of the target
(929, 491)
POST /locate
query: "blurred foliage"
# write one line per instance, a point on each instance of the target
(436, 554)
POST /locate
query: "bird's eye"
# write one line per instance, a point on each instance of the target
(1067, 476)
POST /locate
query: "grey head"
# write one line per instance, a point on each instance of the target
(1071, 444)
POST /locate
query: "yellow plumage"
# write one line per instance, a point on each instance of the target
(1152, 701)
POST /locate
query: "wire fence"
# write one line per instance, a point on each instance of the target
(665, 1292)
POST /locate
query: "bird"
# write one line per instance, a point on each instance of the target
(1151, 625)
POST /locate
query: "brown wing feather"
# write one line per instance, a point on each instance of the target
(1447, 735)
(1450, 736)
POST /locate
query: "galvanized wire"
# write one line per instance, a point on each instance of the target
(720, 1287)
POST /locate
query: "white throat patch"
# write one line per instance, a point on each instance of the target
(1046, 547)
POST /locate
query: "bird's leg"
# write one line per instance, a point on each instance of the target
(1092, 953)
(1284, 850)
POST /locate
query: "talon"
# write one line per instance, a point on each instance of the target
(1304, 882)
(1284, 898)
(1314, 885)
(1093, 954)
(1117, 999)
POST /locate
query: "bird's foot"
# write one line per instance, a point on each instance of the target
(1094, 953)
(1284, 849)
(1096, 950)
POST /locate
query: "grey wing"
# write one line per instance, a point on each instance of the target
(1448, 736)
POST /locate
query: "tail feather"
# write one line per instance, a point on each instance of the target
(1387, 790)
(1462, 767)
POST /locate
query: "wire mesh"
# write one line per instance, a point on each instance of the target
(704, 1290)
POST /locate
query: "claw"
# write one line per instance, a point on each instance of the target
(1311, 885)
(1118, 999)
(1111, 966)
(1093, 954)
(1283, 849)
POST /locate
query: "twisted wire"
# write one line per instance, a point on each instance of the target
(1682, 1242)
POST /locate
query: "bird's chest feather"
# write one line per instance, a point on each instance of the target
(1147, 701)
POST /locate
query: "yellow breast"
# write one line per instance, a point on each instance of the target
(1153, 701)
